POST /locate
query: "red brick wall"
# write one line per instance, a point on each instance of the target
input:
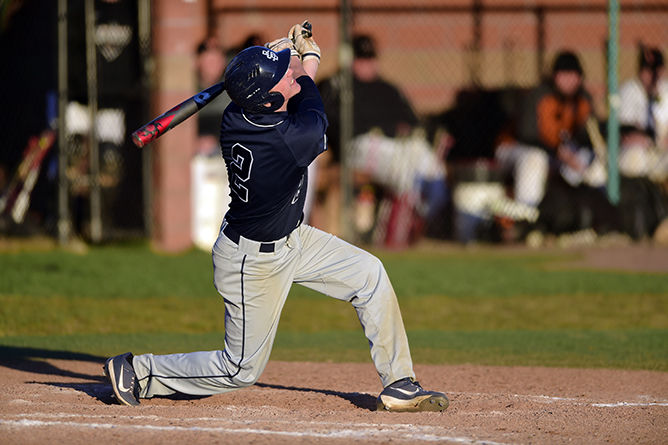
(178, 27)
(427, 51)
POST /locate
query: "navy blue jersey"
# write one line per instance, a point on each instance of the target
(267, 156)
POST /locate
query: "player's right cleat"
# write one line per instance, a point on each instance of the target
(123, 379)
(406, 395)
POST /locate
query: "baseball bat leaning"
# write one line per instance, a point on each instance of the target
(598, 142)
(170, 119)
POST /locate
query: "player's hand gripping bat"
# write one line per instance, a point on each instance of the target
(170, 119)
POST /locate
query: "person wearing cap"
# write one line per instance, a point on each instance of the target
(377, 104)
(643, 116)
(553, 113)
(551, 136)
(643, 155)
(210, 64)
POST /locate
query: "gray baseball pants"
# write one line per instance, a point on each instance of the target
(255, 286)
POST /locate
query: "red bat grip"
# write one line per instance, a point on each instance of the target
(170, 119)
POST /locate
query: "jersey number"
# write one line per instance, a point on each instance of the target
(242, 162)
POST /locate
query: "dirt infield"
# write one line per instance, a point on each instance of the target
(64, 401)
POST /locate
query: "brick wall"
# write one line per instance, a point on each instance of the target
(178, 27)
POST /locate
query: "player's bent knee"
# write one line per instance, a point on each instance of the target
(374, 277)
(371, 263)
(228, 383)
(246, 378)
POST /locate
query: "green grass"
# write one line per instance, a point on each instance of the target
(458, 306)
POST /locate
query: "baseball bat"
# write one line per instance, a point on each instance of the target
(597, 140)
(170, 119)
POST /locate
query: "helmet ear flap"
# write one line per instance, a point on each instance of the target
(275, 100)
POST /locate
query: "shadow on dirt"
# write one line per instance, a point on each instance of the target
(99, 391)
(33, 360)
(360, 400)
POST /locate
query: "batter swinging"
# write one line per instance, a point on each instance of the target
(272, 131)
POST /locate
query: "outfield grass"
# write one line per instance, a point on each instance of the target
(458, 306)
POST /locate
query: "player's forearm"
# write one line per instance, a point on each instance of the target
(311, 67)
(308, 67)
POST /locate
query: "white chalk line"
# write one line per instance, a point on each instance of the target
(395, 426)
(341, 433)
(573, 400)
(576, 401)
(615, 405)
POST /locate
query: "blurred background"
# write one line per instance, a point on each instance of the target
(450, 120)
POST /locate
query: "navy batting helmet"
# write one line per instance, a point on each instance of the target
(252, 74)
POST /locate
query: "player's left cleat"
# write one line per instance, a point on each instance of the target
(406, 395)
(123, 379)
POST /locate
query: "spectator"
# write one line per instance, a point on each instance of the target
(643, 115)
(252, 39)
(209, 184)
(377, 104)
(551, 131)
(210, 64)
(643, 157)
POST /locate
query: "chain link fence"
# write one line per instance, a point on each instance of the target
(460, 130)
(87, 67)
(105, 93)
(433, 108)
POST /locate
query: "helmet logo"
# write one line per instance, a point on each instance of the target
(270, 55)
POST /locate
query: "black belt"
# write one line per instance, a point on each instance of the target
(234, 237)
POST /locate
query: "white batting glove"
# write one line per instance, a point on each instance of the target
(305, 46)
(281, 44)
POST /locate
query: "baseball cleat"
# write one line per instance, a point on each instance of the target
(406, 395)
(123, 379)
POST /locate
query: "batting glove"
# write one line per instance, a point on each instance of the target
(305, 46)
(281, 44)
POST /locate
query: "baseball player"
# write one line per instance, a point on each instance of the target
(272, 131)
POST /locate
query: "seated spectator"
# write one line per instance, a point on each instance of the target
(643, 116)
(552, 139)
(252, 39)
(210, 66)
(377, 105)
(643, 156)
(208, 175)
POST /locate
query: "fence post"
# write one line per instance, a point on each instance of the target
(144, 31)
(93, 143)
(64, 223)
(346, 117)
(613, 102)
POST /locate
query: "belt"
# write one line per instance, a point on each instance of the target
(234, 236)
